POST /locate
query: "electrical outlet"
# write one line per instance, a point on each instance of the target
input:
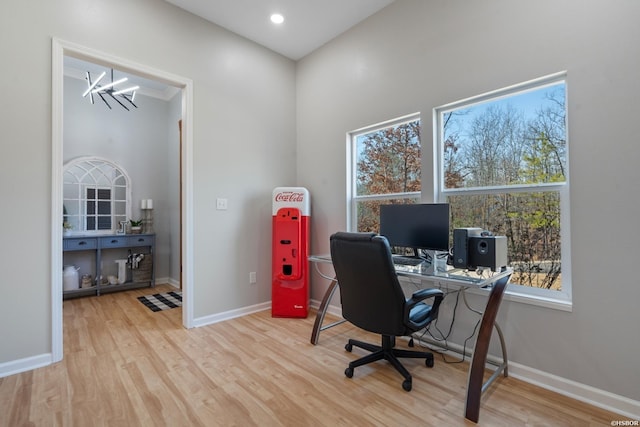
(221, 204)
(252, 277)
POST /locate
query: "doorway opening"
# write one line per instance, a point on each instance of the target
(60, 50)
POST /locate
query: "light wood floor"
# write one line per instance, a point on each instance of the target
(127, 366)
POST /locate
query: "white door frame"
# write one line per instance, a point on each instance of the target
(60, 49)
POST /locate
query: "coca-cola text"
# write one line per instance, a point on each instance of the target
(289, 196)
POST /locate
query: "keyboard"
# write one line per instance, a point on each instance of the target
(407, 260)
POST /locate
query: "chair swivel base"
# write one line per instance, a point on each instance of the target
(388, 352)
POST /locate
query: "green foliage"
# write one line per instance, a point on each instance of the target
(499, 147)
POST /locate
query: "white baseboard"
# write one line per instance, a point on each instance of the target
(22, 365)
(602, 399)
(167, 281)
(331, 309)
(231, 314)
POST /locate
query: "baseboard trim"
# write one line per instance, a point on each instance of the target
(231, 314)
(23, 365)
(169, 281)
(600, 398)
(331, 309)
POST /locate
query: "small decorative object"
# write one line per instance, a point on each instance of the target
(86, 281)
(141, 267)
(70, 277)
(136, 226)
(147, 215)
(66, 228)
(122, 270)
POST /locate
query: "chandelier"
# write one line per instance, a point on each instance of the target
(110, 90)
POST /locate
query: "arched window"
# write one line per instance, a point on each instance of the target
(96, 196)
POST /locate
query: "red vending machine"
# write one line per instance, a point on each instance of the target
(290, 251)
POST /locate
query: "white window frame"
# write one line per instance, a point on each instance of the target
(352, 158)
(561, 299)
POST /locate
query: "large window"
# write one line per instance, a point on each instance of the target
(501, 162)
(502, 166)
(385, 165)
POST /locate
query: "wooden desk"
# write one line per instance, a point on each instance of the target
(498, 283)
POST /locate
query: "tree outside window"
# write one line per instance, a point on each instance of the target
(386, 164)
(503, 167)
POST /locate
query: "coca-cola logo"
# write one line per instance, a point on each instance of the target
(289, 196)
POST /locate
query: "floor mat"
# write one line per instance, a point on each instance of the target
(165, 301)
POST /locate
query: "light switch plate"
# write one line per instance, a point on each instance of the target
(221, 204)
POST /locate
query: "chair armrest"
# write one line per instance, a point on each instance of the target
(423, 294)
(416, 299)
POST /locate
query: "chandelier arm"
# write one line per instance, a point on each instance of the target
(130, 101)
(89, 90)
(118, 101)
(105, 101)
(93, 84)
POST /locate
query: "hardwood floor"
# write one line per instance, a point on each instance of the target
(125, 365)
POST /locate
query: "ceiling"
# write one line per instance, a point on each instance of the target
(308, 24)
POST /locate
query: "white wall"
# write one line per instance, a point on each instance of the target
(416, 55)
(243, 147)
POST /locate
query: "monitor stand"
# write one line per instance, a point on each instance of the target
(436, 265)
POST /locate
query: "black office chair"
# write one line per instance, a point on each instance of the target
(372, 299)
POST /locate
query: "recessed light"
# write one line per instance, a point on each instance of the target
(276, 18)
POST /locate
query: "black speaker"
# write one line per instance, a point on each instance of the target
(488, 251)
(460, 245)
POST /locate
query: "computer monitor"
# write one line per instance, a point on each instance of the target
(416, 226)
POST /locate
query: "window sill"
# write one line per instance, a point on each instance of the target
(515, 294)
(555, 300)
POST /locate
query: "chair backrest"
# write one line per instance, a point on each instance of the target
(370, 292)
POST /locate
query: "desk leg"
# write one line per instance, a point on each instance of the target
(479, 358)
(317, 326)
(505, 368)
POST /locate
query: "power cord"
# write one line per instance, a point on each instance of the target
(442, 342)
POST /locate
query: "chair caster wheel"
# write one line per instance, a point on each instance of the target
(348, 347)
(429, 362)
(406, 385)
(349, 374)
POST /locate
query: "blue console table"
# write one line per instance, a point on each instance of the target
(92, 249)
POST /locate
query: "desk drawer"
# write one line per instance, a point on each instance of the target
(141, 240)
(114, 242)
(79, 244)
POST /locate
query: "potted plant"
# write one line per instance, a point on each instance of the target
(66, 228)
(136, 226)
